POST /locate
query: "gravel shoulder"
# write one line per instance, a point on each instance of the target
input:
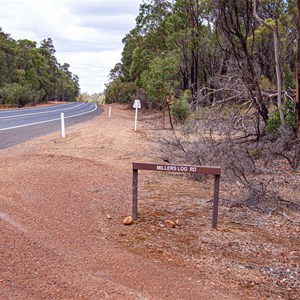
(62, 205)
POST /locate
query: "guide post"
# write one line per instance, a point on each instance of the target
(136, 105)
(109, 111)
(63, 132)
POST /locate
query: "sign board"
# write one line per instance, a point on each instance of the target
(178, 168)
(137, 104)
(216, 171)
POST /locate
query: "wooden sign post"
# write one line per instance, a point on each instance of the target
(216, 171)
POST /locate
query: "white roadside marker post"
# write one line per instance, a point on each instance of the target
(135, 119)
(63, 132)
(136, 105)
(109, 112)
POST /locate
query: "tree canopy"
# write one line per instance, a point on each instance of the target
(32, 74)
(219, 50)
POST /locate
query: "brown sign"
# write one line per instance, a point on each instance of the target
(216, 171)
(178, 168)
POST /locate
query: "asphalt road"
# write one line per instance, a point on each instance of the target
(18, 126)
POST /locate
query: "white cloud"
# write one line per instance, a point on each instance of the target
(87, 34)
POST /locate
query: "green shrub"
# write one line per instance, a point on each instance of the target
(15, 94)
(266, 84)
(274, 123)
(181, 108)
(119, 91)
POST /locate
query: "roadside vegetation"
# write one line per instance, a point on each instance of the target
(31, 74)
(223, 75)
(96, 97)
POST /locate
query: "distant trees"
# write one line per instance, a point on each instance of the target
(31, 74)
(96, 97)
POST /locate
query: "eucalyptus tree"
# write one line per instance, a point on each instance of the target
(31, 67)
(235, 22)
(47, 50)
(191, 32)
(131, 41)
(33, 74)
(68, 87)
(276, 10)
(141, 46)
(7, 58)
(144, 42)
(151, 35)
(60, 83)
(183, 27)
(162, 80)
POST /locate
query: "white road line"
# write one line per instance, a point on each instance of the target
(34, 108)
(39, 113)
(48, 121)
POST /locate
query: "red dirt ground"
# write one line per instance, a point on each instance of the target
(62, 205)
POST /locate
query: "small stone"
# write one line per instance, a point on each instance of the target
(170, 224)
(108, 216)
(177, 222)
(128, 220)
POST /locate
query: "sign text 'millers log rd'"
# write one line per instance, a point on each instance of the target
(216, 171)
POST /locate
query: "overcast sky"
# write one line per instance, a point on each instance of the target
(87, 34)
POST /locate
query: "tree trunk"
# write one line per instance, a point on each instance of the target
(278, 75)
(169, 111)
(237, 26)
(277, 60)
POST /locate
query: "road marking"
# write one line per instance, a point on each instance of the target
(48, 121)
(44, 112)
(4, 110)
